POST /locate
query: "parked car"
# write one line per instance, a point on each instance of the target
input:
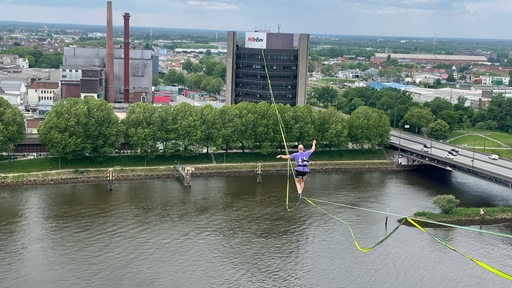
(494, 157)
(449, 156)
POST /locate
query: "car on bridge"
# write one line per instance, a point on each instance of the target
(453, 152)
(494, 157)
(426, 148)
(449, 156)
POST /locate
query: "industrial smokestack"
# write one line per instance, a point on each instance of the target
(109, 58)
(126, 17)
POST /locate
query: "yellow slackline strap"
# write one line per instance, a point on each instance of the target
(478, 262)
(350, 229)
(290, 168)
(281, 129)
(414, 218)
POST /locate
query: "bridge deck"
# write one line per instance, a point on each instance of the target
(467, 161)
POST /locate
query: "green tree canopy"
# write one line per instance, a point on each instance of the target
(417, 118)
(75, 128)
(331, 128)
(326, 95)
(500, 111)
(187, 65)
(141, 128)
(155, 81)
(195, 80)
(438, 104)
(165, 129)
(12, 126)
(31, 53)
(368, 127)
(50, 60)
(450, 117)
(173, 77)
(212, 85)
(438, 130)
(188, 131)
(210, 127)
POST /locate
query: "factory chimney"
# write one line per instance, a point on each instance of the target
(109, 58)
(126, 17)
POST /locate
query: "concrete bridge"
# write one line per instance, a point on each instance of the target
(411, 150)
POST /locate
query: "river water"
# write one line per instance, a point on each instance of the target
(233, 232)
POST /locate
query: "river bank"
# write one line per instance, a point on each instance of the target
(170, 172)
(505, 218)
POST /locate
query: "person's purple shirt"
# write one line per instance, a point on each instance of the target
(301, 160)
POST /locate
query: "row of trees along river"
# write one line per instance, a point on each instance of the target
(75, 127)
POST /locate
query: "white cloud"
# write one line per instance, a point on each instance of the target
(212, 5)
(488, 8)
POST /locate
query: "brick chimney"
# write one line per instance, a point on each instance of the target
(109, 58)
(126, 17)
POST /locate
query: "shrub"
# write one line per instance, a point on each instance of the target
(446, 203)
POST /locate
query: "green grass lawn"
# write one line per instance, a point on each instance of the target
(61, 163)
(461, 212)
(487, 142)
(475, 141)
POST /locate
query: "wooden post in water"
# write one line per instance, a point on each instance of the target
(259, 171)
(110, 178)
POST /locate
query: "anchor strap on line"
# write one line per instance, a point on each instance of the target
(444, 243)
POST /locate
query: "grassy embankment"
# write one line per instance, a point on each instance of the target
(487, 142)
(54, 167)
(464, 216)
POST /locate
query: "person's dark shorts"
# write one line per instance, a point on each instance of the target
(300, 174)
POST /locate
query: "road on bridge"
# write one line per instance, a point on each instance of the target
(466, 158)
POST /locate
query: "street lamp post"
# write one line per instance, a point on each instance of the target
(473, 160)
(485, 138)
(400, 138)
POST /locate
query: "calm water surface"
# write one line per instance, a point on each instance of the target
(232, 232)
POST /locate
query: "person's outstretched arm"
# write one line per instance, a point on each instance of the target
(313, 147)
(283, 156)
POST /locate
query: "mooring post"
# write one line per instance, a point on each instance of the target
(188, 172)
(258, 172)
(110, 178)
(386, 223)
(185, 173)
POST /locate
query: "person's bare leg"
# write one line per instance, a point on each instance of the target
(302, 183)
(299, 185)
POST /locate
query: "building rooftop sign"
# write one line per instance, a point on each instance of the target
(256, 40)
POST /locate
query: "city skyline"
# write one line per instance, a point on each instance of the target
(409, 18)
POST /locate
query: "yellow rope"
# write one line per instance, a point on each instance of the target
(362, 249)
(281, 129)
(478, 262)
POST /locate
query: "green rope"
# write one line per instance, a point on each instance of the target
(281, 129)
(417, 219)
(409, 219)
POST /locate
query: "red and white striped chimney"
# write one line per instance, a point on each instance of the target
(126, 17)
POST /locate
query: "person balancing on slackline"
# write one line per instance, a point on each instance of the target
(301, 159)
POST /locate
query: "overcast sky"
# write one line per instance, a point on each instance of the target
(487, 19)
